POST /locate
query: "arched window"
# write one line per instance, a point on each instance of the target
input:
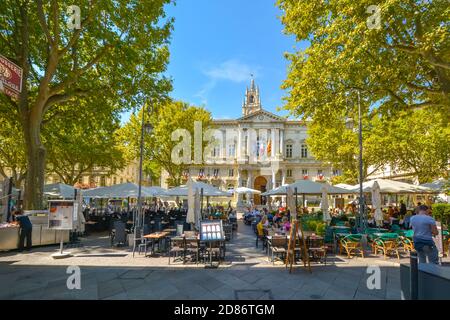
(251, 99)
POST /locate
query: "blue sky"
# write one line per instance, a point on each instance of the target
(217, 44)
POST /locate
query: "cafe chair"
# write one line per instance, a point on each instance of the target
(177, 248)
(278, 246)
(192, 249)
(352, 244)
(139, 242)
(118, 234)
(406, 244)
(387, 245)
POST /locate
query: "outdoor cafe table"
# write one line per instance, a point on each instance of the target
(156, 237)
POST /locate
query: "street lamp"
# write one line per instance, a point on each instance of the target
(362, 220)
(146, 127)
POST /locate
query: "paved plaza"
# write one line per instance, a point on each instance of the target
(112, 273)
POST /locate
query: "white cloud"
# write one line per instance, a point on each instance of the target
(232, 70)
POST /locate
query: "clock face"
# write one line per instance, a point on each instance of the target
(261, 117)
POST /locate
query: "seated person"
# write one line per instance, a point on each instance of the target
(265, 221)
(270, 217)
(286, 224)
(407, 220)
(260, 227)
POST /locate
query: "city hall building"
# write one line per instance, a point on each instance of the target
(259, 150)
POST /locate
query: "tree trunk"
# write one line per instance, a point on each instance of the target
(34, 183)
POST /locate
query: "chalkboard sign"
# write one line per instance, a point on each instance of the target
(296, 226)
(211, 230)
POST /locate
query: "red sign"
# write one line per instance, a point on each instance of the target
(11, 77)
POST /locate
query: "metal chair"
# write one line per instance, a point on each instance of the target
(278, 246)
(118, 234)
(228, 230)
(177, 246)
(139, 241)
(192, 248)
(352, 243)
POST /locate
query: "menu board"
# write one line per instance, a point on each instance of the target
(61, 215)
(211, 230)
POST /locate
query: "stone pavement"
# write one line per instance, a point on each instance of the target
(108, 273)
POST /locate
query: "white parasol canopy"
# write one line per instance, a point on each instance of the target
(124, 190)
(324, 204)
(241, 190)
(392, 186)
(208, 190)
(192, 194)
(59, 190)
(307, 187)
(290, 201)
(376, 203)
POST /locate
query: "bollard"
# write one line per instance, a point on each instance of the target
(414, 276)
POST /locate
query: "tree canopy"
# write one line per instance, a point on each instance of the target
(396, 55)
(114, 60)
(165, 118)
(403, 64)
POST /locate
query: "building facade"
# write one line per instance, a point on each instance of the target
(259, 150)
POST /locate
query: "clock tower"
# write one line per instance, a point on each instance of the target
(252, 100)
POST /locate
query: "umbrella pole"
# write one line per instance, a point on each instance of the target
(201, 204)
(296, 203)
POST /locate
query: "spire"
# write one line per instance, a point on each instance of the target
(252, 100)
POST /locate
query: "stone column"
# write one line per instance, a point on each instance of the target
(239, 144)
(283, 177)
(274, 181)
(272, 143)
(239, 196)
(224, 144)
(249, 184)
(247, 147)
(282, 143)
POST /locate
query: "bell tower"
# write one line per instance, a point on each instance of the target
(252, 100)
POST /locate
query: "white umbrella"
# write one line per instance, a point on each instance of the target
(197, 207)
(124, 190)
(392, 186)
(241, 190)
(208, 190)
(376, 203)
(190, 218)
(325, 205)
(59, 190)
(308, 187)
(290, 201)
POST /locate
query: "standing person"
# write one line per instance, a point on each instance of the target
(25, 229)
(425, 228)
(402, 208)
(416, 209)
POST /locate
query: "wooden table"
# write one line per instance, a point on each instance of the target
(156, 237)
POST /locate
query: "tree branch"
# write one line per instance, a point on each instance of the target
(43, 22)
(73, 77)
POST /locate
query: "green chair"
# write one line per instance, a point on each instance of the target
(387, 243)
(351, 244)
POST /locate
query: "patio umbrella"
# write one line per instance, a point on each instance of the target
(124, 190)
(308, 187)
(392, 186)
(376, 203)
(197, 207)
(59, 190)
(190, 218)
(290, 201)
(325, 205)
(208, 190)
(241, 190)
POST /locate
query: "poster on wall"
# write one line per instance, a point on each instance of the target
(61, 215)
